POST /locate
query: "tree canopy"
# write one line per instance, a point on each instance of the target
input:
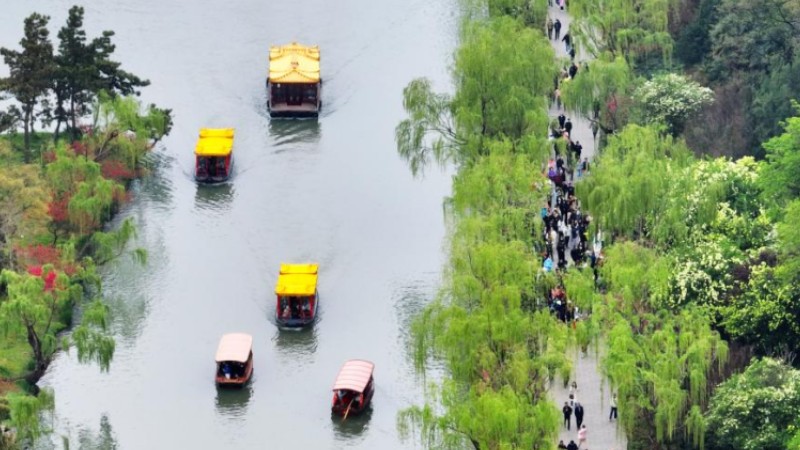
(30, 73)
(757, 409)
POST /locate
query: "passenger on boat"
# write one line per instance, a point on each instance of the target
(306, 309)
(287, 313)
(226, 370)
(238, 370)
(202, 167)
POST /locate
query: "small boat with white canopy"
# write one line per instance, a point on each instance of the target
(234, 359)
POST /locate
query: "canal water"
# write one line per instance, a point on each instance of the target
(331, 190)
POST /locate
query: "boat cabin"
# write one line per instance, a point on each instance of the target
(294, 86)
(354, 387)
(234, 359)
(214, 155)
(297, 296)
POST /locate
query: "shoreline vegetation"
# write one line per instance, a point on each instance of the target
(58, 190)
(694, 302)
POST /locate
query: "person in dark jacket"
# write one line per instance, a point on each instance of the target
(568, 126)
(557, 28)
(562, 119)
(572, 446)
(573, 70)
(567, 410)
(567, 40)
(578, 415)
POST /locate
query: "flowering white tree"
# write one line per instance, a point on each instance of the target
(671, 100)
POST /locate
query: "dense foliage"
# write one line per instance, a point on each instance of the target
(53, 212)
(757, 409)
(749, 51)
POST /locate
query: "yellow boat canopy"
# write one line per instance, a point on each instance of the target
(214, 142)
(297, 279)
(293, 63)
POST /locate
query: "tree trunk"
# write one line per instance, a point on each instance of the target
(73, 118)
(40, 361)
(27, 135)
(57, 131)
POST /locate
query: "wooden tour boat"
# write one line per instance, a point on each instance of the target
(234, 359)
(297, 296)
(294, 86)
(214, 155)
(354, 387)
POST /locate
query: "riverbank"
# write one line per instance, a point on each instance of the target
(54, 214)
(491, 327)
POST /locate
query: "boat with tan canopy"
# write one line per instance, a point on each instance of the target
(234, 359)
(354, 387)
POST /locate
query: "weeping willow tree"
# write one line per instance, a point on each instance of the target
(658, 363)
(499, 356)
(502, 73)
(38, 313)
(124, 130)
(659, 368)
(601, 92)
(617, 34)
(627, 28)
(499, 349)
(631, 180)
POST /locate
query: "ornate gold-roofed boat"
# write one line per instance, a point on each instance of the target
(294, 86)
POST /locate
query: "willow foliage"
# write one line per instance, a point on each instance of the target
(503, 72)
(27, 413)
(631, 180)
(600, 91)
(502, 180)
(628, 28)
(660, 370)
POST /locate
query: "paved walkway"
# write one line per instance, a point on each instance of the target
(593, 391)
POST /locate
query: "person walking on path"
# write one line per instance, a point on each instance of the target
(567, 40)
(562, 120)
(557, 28)
(582, 436)
(550, 28)
(572, 446)
(578, 415)
(568, 126)
(567, 411)
(573, 70)
(613, 412)
(562, 445)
